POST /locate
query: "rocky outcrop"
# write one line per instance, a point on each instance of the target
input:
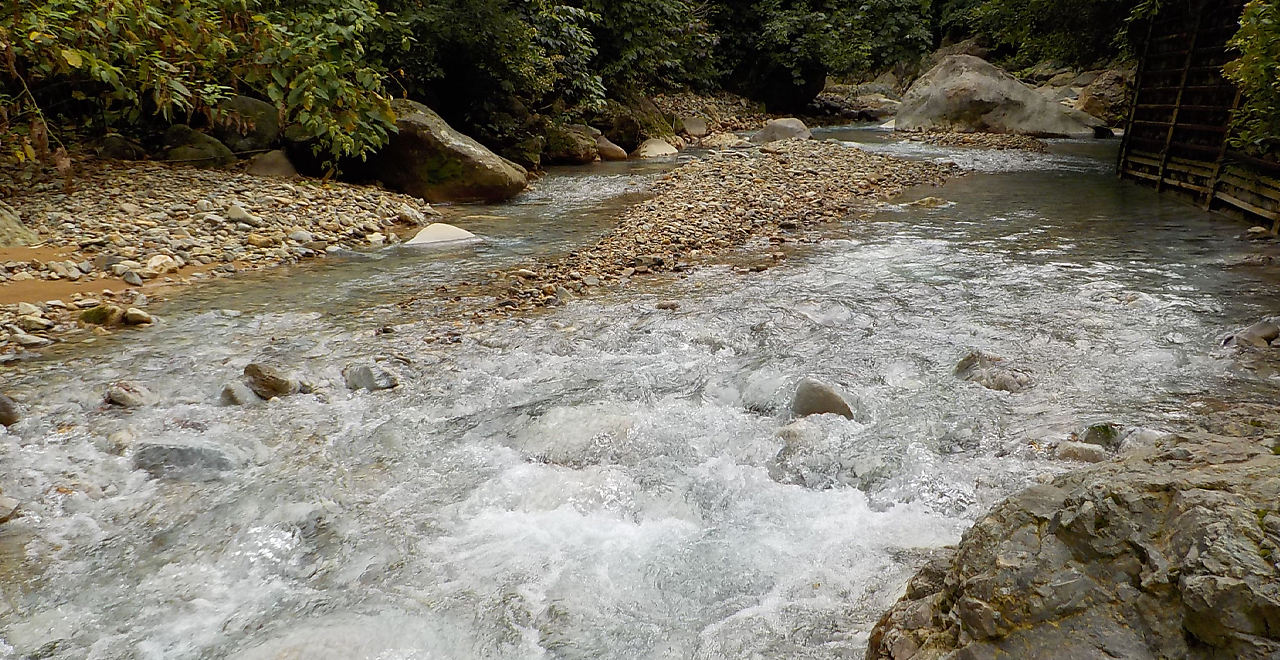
(781, 129)
(1107, 96)
(429, 159)
(1173, 552)
(967, 94)
(187, 146)
(246, 124)
(12, 232)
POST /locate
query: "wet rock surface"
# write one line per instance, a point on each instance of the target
(814, 397)
(1172, 552)
(992, 372)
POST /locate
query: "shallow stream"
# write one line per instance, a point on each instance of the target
(603, 481)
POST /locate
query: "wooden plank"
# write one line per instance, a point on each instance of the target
(1240, 203)
(1138, 79)
(1182, 88)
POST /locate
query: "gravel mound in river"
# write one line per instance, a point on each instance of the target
(717, 204)
(997, 141)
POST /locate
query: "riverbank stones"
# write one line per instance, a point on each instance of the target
(269, 382)
(10, 413)
(365, 377)
(129, 394)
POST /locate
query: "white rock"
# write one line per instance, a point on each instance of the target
(781, 129)
(27, 309)
(439, 232)
(135, 316)
(1081, 451)
(654, 148)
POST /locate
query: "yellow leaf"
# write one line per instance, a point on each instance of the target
(72, 57)
(31, 153)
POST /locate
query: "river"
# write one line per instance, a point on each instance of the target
(603, 480)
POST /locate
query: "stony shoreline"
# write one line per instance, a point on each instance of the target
(128, 226)
(713, 205)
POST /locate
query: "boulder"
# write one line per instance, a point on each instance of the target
(186, 146)
(570, 145)
(273, 163)
(781, 129)
(695, 127)
(991, 372)
(1107, 97)
(119, 147)
(814, 397)
(429, 159)
(12, 232)
(372, 378)
(10, 413)
(527, 153)
(628, 125)
(609, 150)
(1170, 555)
(185, 459)
(439, 232)
(269, 382)
(967, 94)
(655, 148)
(246, 124)
(1258, 335)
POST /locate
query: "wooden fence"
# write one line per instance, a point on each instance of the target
(1179, 122)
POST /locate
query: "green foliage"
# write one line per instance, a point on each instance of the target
(644, 43)
(1257, 74)
(1074, 32)
(131, 60)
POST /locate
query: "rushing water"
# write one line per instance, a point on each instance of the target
(604, 481)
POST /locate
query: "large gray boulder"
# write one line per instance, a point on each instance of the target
(186, 146)
(429, 159)
(246, 124)
(12, 232)
(970, 95)
(1107, 96)
(1171, 553)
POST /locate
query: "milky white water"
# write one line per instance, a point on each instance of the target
(604, 481)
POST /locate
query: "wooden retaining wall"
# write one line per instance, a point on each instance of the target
(1179, 121)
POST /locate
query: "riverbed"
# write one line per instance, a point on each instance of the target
(603, 480)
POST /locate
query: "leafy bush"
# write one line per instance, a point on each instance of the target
(1074, 32)
(124, 61)
(1257, 74)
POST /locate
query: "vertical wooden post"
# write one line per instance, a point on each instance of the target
(1133, 102)
(1177, 104)
(1222, 155)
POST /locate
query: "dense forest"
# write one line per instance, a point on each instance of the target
(497, 68)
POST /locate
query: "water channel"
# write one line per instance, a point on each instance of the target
(604, 480)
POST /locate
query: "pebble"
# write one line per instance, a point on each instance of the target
(269, 382)
(365, 377)
(129, 394)
(669, 305)
(10, 413)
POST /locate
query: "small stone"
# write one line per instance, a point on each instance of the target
(129, 394)
(369, 378)
(303, 237)
(269, 382)
(8, 508)
(260, 240)
(813, 397)
(238, 394)
(132, 277)
(135, 316)
(32, 323)
(27, 309)
(31, 341)
(236, 213)
(10, 413)
(525, 273)
(1080, 451)
(669, 305)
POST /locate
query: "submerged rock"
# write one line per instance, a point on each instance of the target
(1172, 556)
(365, 377)
(269, 382)
(814, 397)
(990, 372)
(129, 394)
(10, 413)
(185, 459)
(1258, 335)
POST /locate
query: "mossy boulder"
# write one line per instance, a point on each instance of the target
(246, 124)
(574, 144)
(186, 146)
(429, 159)
(629, 125)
